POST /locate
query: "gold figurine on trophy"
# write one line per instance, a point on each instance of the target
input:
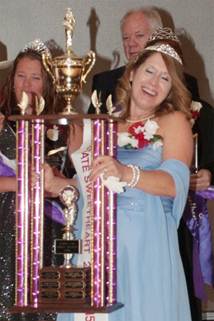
(68, 245)
(68, 71)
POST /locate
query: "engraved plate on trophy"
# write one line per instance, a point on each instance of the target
(67, 246)
(71, 286)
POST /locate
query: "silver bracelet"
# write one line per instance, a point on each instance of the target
(135, 175)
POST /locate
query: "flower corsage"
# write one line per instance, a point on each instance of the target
(195, 111)
(140, 135)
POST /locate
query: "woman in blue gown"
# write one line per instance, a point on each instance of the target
(153, 159)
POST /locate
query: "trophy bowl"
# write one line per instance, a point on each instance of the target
(69, 71)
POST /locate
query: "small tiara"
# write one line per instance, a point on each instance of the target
(38, 46)
(163, 34)
(165, 49)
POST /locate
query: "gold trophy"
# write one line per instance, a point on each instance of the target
(87, 288)
(69, 72)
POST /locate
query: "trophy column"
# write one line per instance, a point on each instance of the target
(103, 212)
(29, 211)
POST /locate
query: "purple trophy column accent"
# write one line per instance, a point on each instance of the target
(22, 214)
(110, 224)
(103, 245)
(98, 212)
(37, 207)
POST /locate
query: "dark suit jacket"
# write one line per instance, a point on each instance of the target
(105, 83)
(204, 126)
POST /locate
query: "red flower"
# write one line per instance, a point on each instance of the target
(195, 114)
(137, 131)
(195, 111)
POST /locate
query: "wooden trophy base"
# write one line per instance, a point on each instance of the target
(70, 308)
(65, 290)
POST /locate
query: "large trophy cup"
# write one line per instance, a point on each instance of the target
(69, 72)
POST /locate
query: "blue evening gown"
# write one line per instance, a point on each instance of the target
(151, 282)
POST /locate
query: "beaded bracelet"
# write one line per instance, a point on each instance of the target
(135, 175)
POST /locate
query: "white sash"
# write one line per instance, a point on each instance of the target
(82, 163)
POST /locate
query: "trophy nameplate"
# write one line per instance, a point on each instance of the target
(67, 246)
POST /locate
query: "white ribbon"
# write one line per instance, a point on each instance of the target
(113, 183)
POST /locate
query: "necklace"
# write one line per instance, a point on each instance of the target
(139, 120)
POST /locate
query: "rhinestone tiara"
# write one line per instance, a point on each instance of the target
(165, 49)
(165, 33)
(38, 46)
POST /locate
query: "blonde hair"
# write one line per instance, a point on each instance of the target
(150, 13)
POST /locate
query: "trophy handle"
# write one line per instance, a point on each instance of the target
(88, 64)
(46, 59)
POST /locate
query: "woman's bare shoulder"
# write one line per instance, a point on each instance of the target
(173, 120)
(175, 115)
